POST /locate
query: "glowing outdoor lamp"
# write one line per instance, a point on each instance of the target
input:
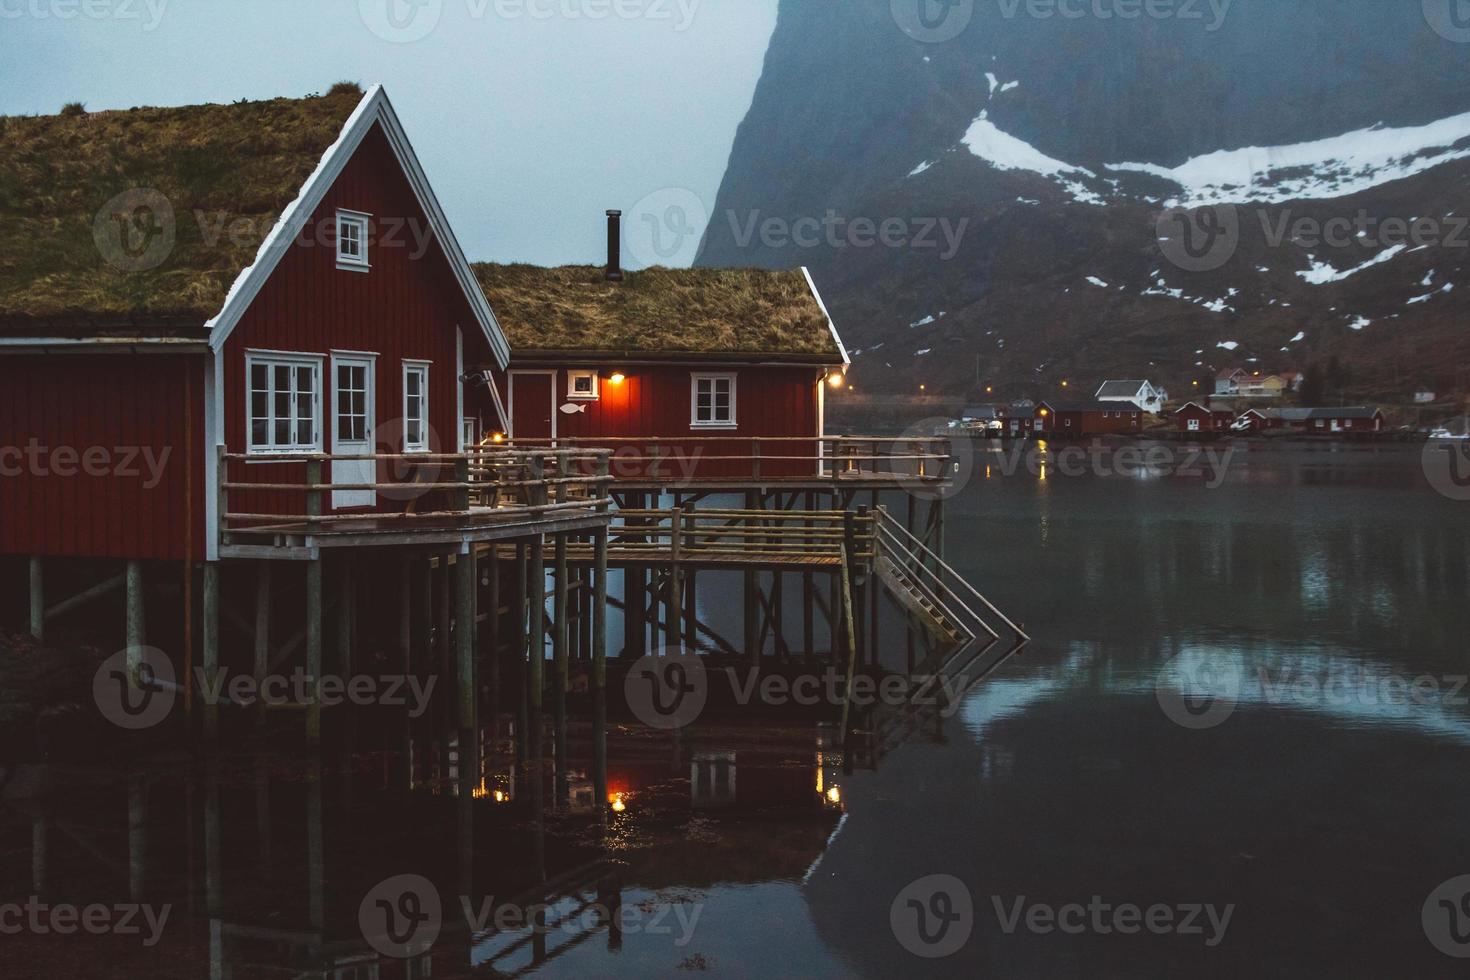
(836, 380)
(618, 377)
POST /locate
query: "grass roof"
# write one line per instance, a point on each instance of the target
(736, 312)
(218, 167)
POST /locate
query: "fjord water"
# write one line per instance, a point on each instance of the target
(1313, 801)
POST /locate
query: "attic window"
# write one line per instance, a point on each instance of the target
(352, 241)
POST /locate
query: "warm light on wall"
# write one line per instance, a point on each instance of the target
(836, 380)
(618, 378)
(498, 438)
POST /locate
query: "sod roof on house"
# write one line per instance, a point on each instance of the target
(75, 259)
(738, 313)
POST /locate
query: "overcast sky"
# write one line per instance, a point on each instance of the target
(532, 117)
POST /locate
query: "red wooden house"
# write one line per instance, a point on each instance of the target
(1072, 420)
(285, 283)
(705, 369)
(1193, 417)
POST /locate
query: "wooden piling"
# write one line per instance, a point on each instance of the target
(464, 642)
(136, 619)
(599, 673)
(38, 601)
(490, 643)
(521, 644)
(313, 648)
(536, 663)
(561, 672)
(262, 651)
(210, 641)
(346, 613)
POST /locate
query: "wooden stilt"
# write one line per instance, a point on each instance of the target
(521, 645)
(536, 664)
(313, 648)
(136, 620)
(261, 664)
(599, 674)
(39, 827)
(561, 673)
(464, 643)
(209, 629)
(137, 838)
(38, 601)
(405, 616)
(346, 612)
(751, 594)
(442, 620)
(490, 643)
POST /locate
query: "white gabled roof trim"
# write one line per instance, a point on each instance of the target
(374, 108)
(846, 361)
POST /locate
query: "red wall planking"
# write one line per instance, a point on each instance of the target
(130, 407)
(653, 403)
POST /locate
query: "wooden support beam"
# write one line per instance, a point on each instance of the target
(38, 601)
(444, 615)
(137, 838)
(313, 649)
(88, 595)
(599, 674)
(559, 656)
(405, 615)
(261, 664)
(464, 643)
(210, 641)
(490, 643)
(346, 613)
(137, 633)
(520, 644)
(536, 663)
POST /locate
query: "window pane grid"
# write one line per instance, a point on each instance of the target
(282, 401)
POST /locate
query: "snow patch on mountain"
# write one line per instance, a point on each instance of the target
(1322, 273)
(1005, 152)
(1318, 170)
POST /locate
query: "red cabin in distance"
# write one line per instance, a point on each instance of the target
(687, 374)
(1074, 420)
(1193, 417)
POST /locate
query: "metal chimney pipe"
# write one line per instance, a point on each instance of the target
(615, 246)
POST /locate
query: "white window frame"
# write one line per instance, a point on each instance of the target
(1194, 425)
(421, 368)
(271, 360)
(694, 421)
(361, 222)
(574, 395)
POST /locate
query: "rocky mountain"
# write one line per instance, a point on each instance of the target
(1011, 193)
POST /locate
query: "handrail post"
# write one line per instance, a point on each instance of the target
(222, 465)
(536, 492)
(462, 477)
(755, 458)
(313, 487)
(604, 482)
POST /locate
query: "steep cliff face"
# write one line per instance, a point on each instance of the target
(996, 174)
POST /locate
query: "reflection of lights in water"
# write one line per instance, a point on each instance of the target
(834, 794)
(619, 802)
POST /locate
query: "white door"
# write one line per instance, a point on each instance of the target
(352, 429)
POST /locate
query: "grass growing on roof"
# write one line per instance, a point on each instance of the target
(243, 162)
(693, 311)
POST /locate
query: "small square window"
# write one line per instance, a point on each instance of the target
(352, 240)
(582, 385)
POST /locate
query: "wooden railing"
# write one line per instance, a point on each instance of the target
(688, 533)
(712, 458)
(294, 494)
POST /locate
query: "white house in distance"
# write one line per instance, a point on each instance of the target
(1142, 394)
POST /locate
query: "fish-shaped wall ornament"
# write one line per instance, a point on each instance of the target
(572, 408)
